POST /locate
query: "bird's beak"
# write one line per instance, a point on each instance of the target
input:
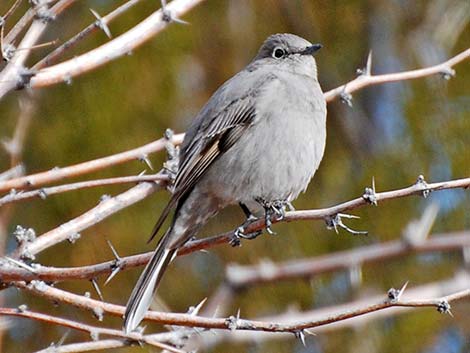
(311, 50)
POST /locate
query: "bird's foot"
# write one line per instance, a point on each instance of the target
(240, 232)
(275, 208)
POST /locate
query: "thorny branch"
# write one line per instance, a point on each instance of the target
(111, 205)
(243, 276)
(94, 331)
(393, 299)
(367, 79)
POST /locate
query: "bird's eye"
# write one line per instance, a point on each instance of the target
(278, 53)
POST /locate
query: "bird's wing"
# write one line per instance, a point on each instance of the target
(207, 143)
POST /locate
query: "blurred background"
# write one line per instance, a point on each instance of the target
(393, 133)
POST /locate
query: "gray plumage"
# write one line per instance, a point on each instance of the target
(261, 136)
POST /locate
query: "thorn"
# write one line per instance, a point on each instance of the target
(98, 312)
(418, 230)
(422, 185)
(144, 158)
(301, 336)
(310, 332)
(20, 264)
(194, 311)
(168, 17)
(97, 289)
(113, 250)
(394, 295)
(42, 45)
(116, 266)
(63, 338)
(369, 64)
(370, 195)
(101, 23)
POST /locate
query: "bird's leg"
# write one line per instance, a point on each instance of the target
(240, 231)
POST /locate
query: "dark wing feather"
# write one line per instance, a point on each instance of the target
(206, 145)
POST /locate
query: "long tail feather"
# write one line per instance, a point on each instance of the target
(142, 295)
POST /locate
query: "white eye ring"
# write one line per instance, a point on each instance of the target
(278, 52)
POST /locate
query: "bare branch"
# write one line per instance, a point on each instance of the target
(113, 49)
(56, 174)
(107, 207)
(366, 79)
(236, 323)
(46, 192)
(113, 204)
(246, 276)
(460, 282)
(96, 331)
(58, 52)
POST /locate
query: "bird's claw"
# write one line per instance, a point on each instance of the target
(240, 232)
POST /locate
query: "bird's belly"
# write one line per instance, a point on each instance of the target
(270, 163)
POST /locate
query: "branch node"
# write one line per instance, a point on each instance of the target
(42, 193)
(95, 336)
(444, 307)
(22, 308)
(104, 197)
(101, 24)
(370, 195)
(24, 235)
(168, 17)
(447, 73)
(394, 295)
(232, 322)
(346, 98)
(8, 50)
(72, 238)
(422, 185)
(335, 221)
(170, 166)
(24, 77)
(98, 312)
(40, 286)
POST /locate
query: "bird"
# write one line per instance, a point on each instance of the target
(257, 142)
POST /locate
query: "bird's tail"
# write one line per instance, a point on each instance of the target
(142, 295)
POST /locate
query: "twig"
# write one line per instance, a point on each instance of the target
(56, 174)
(113, 49)
(106, 207)
(432, 290)
(45, 192)
(95, 331)
(58, 52)
(28, 17)
(367, 79)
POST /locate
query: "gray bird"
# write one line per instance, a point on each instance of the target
(258, 141)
